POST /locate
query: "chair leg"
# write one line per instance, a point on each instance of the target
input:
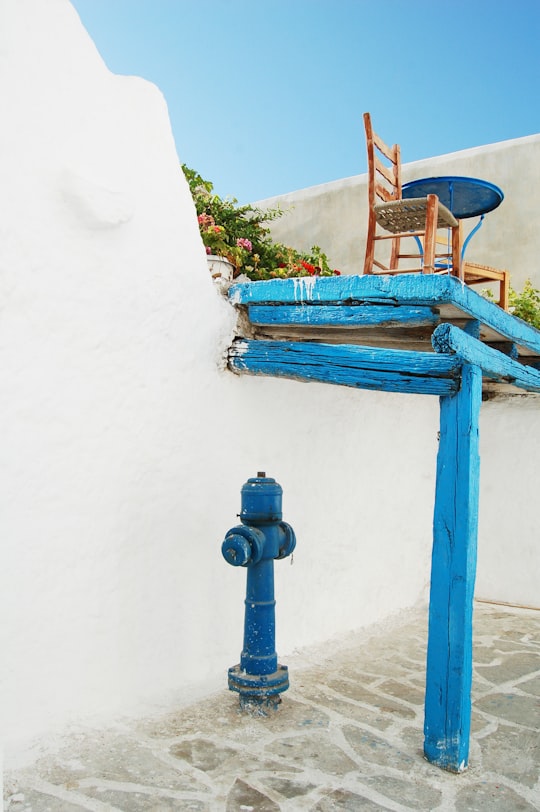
(457, 262)
(431, 233)
(370, 245)
(394, 255)
(504, 290)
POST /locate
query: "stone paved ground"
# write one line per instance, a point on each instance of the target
(348, 736)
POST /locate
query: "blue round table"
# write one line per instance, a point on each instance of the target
(465, 197)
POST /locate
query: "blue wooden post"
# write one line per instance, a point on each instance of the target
(455, 528)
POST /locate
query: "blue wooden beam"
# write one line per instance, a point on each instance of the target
(494, 364)
(405, 289)
(423, 373)
(506, 347)
(343, 315)
(453, 569)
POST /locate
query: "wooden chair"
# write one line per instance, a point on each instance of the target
(416, 217)
(474, 273)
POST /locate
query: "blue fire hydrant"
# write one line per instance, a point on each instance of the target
(254, 544)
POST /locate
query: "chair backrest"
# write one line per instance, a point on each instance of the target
(384, 178)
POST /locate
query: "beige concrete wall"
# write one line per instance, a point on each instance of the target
(334, 215)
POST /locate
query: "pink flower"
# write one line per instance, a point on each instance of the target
(242, 242)
(205, 220)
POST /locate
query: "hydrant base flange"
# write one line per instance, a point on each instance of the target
(258, 687)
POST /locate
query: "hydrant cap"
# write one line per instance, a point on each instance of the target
(261, 500)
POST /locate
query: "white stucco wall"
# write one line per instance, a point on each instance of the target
(125, 444)
(509, 532)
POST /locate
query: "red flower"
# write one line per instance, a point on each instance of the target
(337, 273)
(307, 267)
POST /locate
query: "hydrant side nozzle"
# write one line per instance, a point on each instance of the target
(236, 550)
(289, 541)
(242, 546)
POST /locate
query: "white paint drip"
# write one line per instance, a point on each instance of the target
(303, 288)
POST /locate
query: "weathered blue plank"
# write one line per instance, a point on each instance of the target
(453, 570)
(494, 364)
(406, 289)
(349, 365)
(343, 315)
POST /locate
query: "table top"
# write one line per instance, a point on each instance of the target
(465, 197)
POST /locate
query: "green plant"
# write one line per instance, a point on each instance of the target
(241, 235)
(525, 305)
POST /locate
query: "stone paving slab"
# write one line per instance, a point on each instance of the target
(347, 736)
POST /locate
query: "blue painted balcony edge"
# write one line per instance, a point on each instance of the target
(418, 290)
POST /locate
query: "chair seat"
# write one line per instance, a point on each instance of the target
(397, 216)
(482, 273)
(476, 274)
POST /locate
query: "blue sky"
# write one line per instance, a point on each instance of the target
(266, 96)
